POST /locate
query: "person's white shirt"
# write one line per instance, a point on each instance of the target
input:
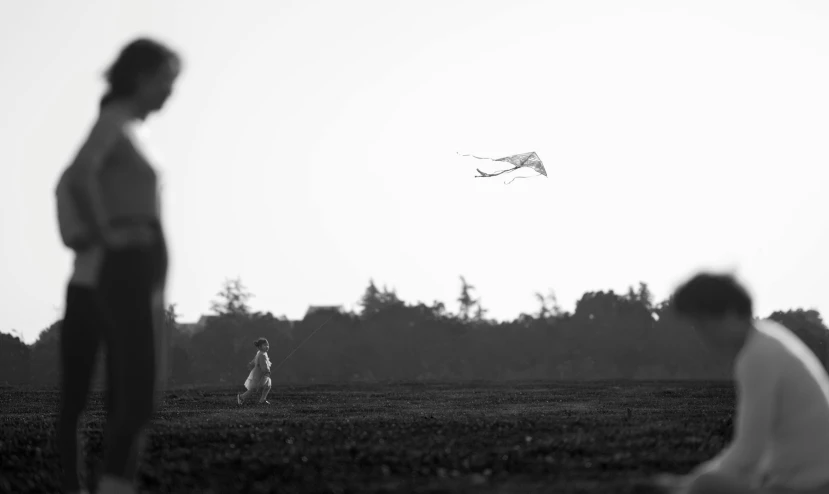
(781, 431)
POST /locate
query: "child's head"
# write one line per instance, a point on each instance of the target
(262, 344)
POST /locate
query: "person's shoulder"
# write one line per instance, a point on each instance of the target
(762, 345)
(112, 120)
(775, 338)
(114, 113)
(108, 127)
(791, 354)
(770, 334)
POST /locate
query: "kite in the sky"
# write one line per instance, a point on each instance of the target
(518, 161)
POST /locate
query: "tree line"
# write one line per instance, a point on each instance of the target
(608, 335)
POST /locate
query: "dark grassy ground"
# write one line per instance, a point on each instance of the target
(527, 437)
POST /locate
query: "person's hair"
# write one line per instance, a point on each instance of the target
(141, 56)
(712, 296)
(259, 342)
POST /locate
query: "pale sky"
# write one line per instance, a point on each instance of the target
(311, 145)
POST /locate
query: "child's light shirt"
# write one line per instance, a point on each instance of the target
(261, 368)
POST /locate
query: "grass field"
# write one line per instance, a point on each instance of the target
(517, 437)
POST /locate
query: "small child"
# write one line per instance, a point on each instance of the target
(260, 374)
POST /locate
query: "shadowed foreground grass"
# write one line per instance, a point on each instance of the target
(525, 437)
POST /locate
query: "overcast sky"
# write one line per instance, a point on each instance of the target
(311, 145)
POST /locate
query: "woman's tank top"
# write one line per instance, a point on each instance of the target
(129, 183)
(129, 188)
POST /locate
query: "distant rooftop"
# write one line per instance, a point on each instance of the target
(195, 327)
(313, 309)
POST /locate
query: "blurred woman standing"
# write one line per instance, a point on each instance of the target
(109, 215)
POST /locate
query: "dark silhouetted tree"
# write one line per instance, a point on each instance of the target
(45, 357)
(233, 299)
(180, 360)
(171, 316)
(549, 305)
(373, 300)
(465, 300)
(809, 327)
(15, 359)
(370, 302)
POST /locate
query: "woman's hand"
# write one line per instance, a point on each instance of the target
(133, 236)
(80, 243)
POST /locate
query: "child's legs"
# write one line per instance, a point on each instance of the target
(266, 388)
(247, 394)
(263, 388)
(80, 336)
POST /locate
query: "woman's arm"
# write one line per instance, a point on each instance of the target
(90, 161)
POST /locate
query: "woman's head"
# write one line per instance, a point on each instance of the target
(262, 344)
(143, 74)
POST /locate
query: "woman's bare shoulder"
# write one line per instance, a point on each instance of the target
(105, 132)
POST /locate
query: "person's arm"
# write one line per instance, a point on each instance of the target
(266, 364)
(757, 381)
(90, 161)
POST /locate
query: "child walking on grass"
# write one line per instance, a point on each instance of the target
(259, 380)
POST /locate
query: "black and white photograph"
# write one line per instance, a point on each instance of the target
(399, 246)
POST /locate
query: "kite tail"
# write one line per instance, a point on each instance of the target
(476, 157)
(516, 178)
(494, 174)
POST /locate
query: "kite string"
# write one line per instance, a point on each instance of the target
(303, 342)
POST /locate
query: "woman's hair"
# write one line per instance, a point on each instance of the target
(140, 57)
(259, 342)
(712, 296)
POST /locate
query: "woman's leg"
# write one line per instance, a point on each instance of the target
(113, 407)
(127, 286)
(80, 335)
(162, 342)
